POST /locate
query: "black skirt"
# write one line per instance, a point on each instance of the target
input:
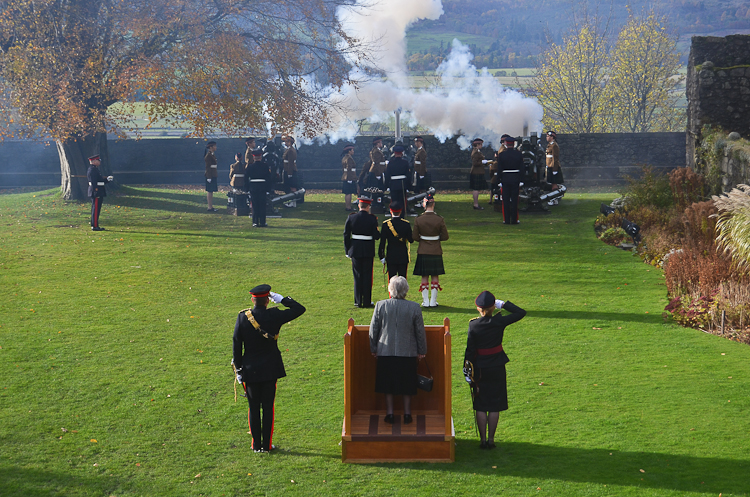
(429, 265)
(213, 185)
(290, 180)
(492, 390)
(396, 375)
(349, 187)
(477, 182)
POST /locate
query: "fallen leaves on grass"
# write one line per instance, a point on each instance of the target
(93, 441)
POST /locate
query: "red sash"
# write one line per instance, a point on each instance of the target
(493, 350)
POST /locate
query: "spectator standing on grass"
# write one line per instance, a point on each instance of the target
(485, 360)
(212, 174)
(255, 349)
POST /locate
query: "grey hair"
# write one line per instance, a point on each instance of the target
(398, 287)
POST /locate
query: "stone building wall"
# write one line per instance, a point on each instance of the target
(717, 88)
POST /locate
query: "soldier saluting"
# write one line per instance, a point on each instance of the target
(360, 233)
(395, 237)
(260, 365)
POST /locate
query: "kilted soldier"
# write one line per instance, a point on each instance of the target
(237, 173)
(289, 161)
(260, 365)
(510, 166)
(349, 177)
(429, 231)
(360, 233)
(554, 172)
(476, 175)
(259, 176)
(395, 237)
(212, 174)
(396, 175)
(485, 360)
(378, 164)
(96, 190)
(420, 166)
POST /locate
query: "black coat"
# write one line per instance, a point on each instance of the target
(510, 160)
(261, 360)
(95, 178)
(486, 332)
(398, 166)
(364, 224)
(397, 250)
(258, 170)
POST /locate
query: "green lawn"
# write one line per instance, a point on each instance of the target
(123, 338)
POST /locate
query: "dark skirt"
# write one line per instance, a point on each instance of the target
(348, 188)
(396, 375)
(492, 390)
(429, 265)
(290, 181)
(213, 186)
(477, 182)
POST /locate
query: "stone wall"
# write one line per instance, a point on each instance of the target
(592, 160)
(717, 88)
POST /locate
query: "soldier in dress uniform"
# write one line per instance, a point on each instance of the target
(554, 172)
(96, 191)
(250, 144)
(510, 166)
(259, 176)
(360, 233)
(494, 176)
(349, 177)
(429, 231)
(378, 164)
(260, 365)
(420, 166)
(395, 237)
(237, 173)
(476, 175)
(289, 161)
(396, 175)
(212, 174)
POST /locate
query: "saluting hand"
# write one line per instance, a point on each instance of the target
(275, 297)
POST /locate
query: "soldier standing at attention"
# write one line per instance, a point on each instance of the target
(395, 237)
(420, 166)
(476, 175)
(349, 178)
(259, 176)
(250, 144)
(260, 366)
(494, 176)
(237, 173)
(396, 175)
(510, 165)
(96, 192)
(360, 233)
(554, 173)
(212, 174)
(378, 164)
(290, 168)
(429, 231)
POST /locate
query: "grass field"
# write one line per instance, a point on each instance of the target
(115, 349)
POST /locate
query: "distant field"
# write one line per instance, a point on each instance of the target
(419, 41)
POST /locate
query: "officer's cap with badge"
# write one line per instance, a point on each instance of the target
(398, 149)
(552, 134)
(364, 200)
(485, 299)
(258, 152)
(509, 139)
(395, 207)
(94, 158)
(261, 291)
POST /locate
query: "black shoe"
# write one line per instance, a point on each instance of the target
(491, 445)
(478, 208)
(255, 225)
(484, 445)
(270, 449)
(388, 419)
(96, 228)
(407, 419)
(212, 209)
(259, 451)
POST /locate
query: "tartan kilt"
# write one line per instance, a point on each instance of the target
(429, 265)
(477, 182)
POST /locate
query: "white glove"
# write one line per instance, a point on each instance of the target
(485, 161)
(239, 378)
(348, 256)
(468, 379)
(520, 184)
(499, 304)
(275, 297)
(110, 178)
(382, 261)
(208, 179)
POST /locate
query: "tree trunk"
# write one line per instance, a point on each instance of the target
(74, 154)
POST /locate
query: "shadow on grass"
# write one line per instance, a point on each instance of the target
(36, 482)
(601, 317)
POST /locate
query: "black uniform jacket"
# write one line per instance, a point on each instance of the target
(486, 333)
(261, 360)
(258, 170)
(398, 166)
(361, 224)
(510, 160)
(96, 183)
(398, 246)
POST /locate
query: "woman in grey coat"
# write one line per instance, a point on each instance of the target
(397, 339)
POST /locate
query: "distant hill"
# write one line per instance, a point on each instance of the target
(505, 33)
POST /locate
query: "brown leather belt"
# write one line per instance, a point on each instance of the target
(493, 350)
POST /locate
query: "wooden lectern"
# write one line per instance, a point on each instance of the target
(365, 437)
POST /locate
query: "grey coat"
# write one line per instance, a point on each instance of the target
(397, 329)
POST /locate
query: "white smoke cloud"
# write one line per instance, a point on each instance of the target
(467, 101)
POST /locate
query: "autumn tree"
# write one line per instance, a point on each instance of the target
(209, 66)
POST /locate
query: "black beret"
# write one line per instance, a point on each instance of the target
(485, 299)
(348, 147)
(502, 138)
(261, 291)
(429, 197)
(398, 149)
